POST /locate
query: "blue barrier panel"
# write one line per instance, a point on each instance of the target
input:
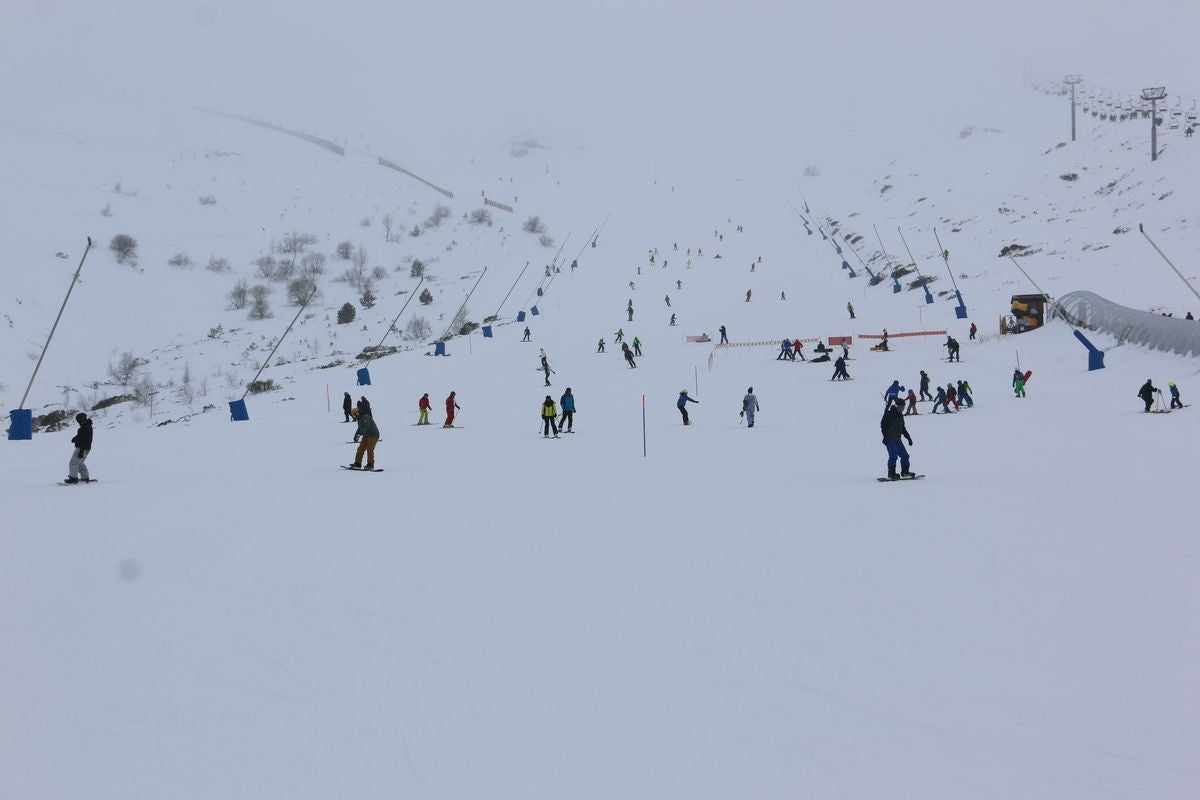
(960, 312)
(520, 316)
(540, 292)
(439, 349)
(238, 412)
(20, 424)
(895, 285)
(534, 310)
(487, 331)
(364, 377)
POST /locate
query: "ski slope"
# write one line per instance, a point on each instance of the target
(639, 611)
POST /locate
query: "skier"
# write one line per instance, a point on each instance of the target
(600, 347)
(964, 394)
(549, 415)
(630, 310)
(672, 319)
(785, 350)
(748, 295)
(1147, 393)
(783, 296)
(668, 299)
(546, 368)
(77, 470)
(347, 404)
(892, 428)
(370, 437)
(845, 350)
(972, 331)
(1175, 401)
(1019, 383)
(892, 393)
(724, 338)
(679, 285)
(952, 396)
(628, 355)
(451, 406)
(925, 395)
(850, 308)
(637, 346)
(940, 401)
(912, 404)
(681, 404)
(567, 402)
(619, 335)
(526, 339)
(839, 370)
(749, 407)
(423, 409)
(631, 286)
(952, 347)
(798, 350)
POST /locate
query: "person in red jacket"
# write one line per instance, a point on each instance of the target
(451, 407)
(423, 405)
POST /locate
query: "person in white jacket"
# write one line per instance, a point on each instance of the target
(749, 407)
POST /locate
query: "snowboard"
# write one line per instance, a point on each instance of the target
(889, 480)
(1027, 376)
(80, 482)
(360, 469)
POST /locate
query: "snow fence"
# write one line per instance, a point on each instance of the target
(1091, 311)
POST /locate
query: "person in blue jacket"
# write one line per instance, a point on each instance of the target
(1175, 401)
(941, 400)
(681, 404)
(892, 393)
(567, 404)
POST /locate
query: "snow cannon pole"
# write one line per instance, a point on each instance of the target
(392, 327)
(510, 291)
(267, 360)
(860, 260)
(1026, 274)
(924, 285)
(946, 258)
(54, 327)
(1142, 230)
(464, 302)
(643, 426)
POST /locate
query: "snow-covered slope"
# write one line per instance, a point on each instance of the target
(740, 612)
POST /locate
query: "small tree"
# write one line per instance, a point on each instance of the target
(295, 243)
(439, 214)
(124, 247)
(346, 314)
(218, 265)
(416, 231)
(417, 269)
(345, 250)
(368, 298)
(238, 295)
(417, 328)
(379, 273)
(359, 259)
(426, 297)
(534, 225)
(181, 260)
(302, 291)
(126, 368)
(260, 309)
(265, 267)
(546, 241)
(313, 265)
(387, 222)
(480, 216)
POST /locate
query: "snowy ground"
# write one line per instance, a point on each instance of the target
(739, 613)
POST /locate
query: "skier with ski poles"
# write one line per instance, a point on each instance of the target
(549, 415)
(567, 403)
(451, 406)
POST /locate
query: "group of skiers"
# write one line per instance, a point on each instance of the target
(550, 415)
(366, 435)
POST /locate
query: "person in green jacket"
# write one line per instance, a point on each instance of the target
(369, 437)
(549, 417)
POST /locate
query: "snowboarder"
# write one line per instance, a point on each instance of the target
(681, 404)
(549, 415)
(672, 319)
(347, 404)
(850, 308)
(423, 409)
(1175, 401)
(952, 347)
(748, 295)
(77, 470)
(964, 394)
(1147, 393)
(972, 331)
(724, 338)
(749, 407)
(925, 395)
(892, 428)
(567, 403)
(839, 370)
(912, 404)
(941, 401)
(892, 393)
(546, 368)
(637, 346)
(1019, 384)
(366, 445)
(631, 286)
(628, 355)
(362, 407)
(679, 285)
(526, 339)
(451, 406)
(600, 347)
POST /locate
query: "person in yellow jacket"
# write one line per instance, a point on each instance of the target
(549, 417)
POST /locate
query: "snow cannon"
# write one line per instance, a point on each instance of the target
(20, 424)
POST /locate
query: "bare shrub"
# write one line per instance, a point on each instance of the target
(302, 291)
(344, 250)
(417, 328)
(207, 200)
(355, 276)
(259, 308)
(124, 247)
(440, 214)
(387, 223)
(312, 265)
(480, 216)
(144, 391)
(181, 260)
(265, 267)
(238, 295)
(107, 210)
(295, 243)
(416, 231)
(359, 259)
(365, 222)
(534, 225)
(379, 273)
(126, 368)
(459, 321)
(546, 241)
(218, 265)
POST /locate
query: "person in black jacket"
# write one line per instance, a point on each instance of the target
(893, 430)
(77, 470)
(839, 370)
(347, 404)
(1147, 393)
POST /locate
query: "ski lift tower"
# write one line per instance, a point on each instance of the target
(1154, 94)
(1072, 80)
